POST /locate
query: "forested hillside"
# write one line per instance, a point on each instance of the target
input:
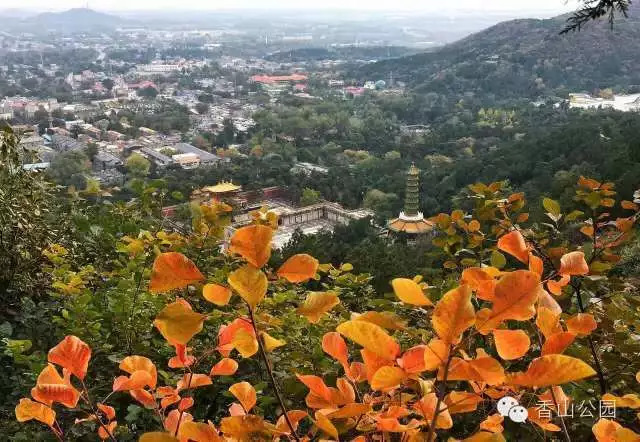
(526, 58)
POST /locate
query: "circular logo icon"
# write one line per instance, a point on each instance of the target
(505, 404)
(518, 414)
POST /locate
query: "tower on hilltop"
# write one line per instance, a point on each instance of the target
(411, 221)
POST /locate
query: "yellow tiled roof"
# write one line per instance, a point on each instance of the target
(399, 225)
(222, 187)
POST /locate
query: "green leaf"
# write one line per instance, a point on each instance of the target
(498, 260)
(551, 206)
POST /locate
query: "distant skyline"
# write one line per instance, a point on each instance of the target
(450, 6)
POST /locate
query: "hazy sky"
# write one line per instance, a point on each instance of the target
(427, 5)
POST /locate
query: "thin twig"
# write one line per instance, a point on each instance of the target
(265, 358)
(440, 395)
(564, 427)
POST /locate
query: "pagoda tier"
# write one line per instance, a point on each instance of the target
(411, 220)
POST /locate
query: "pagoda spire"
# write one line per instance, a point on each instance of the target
(412, 195)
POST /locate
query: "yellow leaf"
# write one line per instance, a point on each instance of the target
(325, 425)
(371, 337)
(317, 304)
(387, 320)
(626, 401)
(550, 370)
(250, 283)
(298, 268)
(178, 323)
(216, 293)
(157, 436)
(350, 410)
(253, 243)
(198, 432)
(28, 409)
(245, 393)
(409, 292)
(387, 377)
(172, 270)
(271, 343)
(245, 343)
(453, 314)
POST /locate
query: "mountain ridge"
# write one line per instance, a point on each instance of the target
(526, 58)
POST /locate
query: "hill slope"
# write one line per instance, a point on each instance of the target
(525, 58)
(77, 19)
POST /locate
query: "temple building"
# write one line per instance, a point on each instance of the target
(411, 221)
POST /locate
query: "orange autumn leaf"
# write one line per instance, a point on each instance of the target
(482, 369)
(515, 295)
(181, 359)
(317, 304)
(227, 335)
(316, 385)
(245, 393)
(493, 424)
(298, 268)
(350, 410)
(108, 411)
(511, 344)
(137, 381)
(412, 360)
(371, 337)
(573, 263)
(253, 243)
(627, 401)
(535, 264)
(334, 345)
(606, 430)
(551, 370)
(157, 436)
(144, 397)
(481, 281)
(216, 293)
(250, 283)
(295, 416)
(548, 322)
(555, 287)
(436, 353)
(462, 402)
(224, 367)
(106, 432)
(582, 324)
(131, 364)
(244, 428)
(372, 362)
(453, 314)
(427, 408)
(175, 418)
(514, 244)
(173, 270)
(193, 380)
(387, 377)
(73, 354)
(51, 387)
(27, 410)
(198, 432)
(409, 292)
(178, 323)
(557, 343)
